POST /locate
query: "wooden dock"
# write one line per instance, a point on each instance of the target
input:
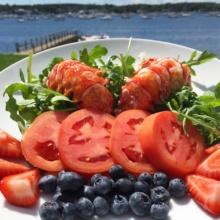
(38, 44)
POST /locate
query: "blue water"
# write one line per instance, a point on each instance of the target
(197, 31)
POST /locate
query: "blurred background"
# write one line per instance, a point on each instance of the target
(35, 25)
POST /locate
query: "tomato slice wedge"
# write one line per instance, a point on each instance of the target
(40, 140)
(84, 141)
(166, 145)
(124, 142)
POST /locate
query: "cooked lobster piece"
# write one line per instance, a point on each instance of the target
(82, 84)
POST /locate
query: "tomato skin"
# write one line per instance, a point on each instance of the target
(39, 142)
(83, 141)
(167, 147)
(124, 142)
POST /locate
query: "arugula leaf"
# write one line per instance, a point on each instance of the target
(203, 57)
(203, 111)
(117, 69)
(91, 57)
(34, 98)
(42, 77)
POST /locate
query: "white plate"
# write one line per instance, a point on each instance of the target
(207, 76)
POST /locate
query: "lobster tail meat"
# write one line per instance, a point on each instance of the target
(155, 79)
(179, 73)
(73, 79)
(98, 97)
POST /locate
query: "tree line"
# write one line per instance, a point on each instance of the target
(63, 8)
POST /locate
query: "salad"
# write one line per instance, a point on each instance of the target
(42, 102)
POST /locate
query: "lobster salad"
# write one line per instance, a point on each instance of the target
(112, 135)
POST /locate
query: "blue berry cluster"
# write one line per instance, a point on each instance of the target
(118, 193)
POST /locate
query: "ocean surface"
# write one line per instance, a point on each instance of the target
(197, 31)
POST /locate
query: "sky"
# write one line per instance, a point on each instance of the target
(114, 2)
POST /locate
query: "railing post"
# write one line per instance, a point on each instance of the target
(17, 45)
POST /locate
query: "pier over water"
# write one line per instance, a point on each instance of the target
(41, 43)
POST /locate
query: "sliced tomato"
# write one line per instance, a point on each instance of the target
(124, 142)
(84, 141)
(40, 140)
(166, 145)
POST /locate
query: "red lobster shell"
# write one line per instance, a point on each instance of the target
(81, 83)
(154, 79)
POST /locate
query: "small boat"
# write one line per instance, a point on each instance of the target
(89, 37)
(125, 15)
(59, 18)
(146, 16)
(106, 17)
(185, 14)
(20, 20)
(172, 15)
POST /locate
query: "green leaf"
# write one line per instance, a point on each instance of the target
(202, 58)
(74, 55)
(34, 100)
(203, 111)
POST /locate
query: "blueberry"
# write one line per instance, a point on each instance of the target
(88, 192)
(178, 188)
(94, 178)
(116, 172)
(159, 194)
(140, 203)
(68, 211)
(146, 177)
(103, 185)
(70, 181)
(48, 183)
(159, 210)
(61, 197)
(124, 186)
(160, 179)
(131, 177)
(119, 205)
(85, 208)
(101, 206)
(141, 186)
(49, 211)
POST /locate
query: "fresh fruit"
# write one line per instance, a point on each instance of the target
(210, 167)
(211, 149)
(177, 188)
(160, 179)
(85, 208)
(40, 140)
(49, 210)
(83, 141)
(159, 194)
(205, 191)
(21, 189)
(119, 205)
(68, 180)
(159, 210)
(48, 183)
(101, 206)
(8, 168)
(139, 203)
(168, 147)
(105, 194)
(9, 146)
